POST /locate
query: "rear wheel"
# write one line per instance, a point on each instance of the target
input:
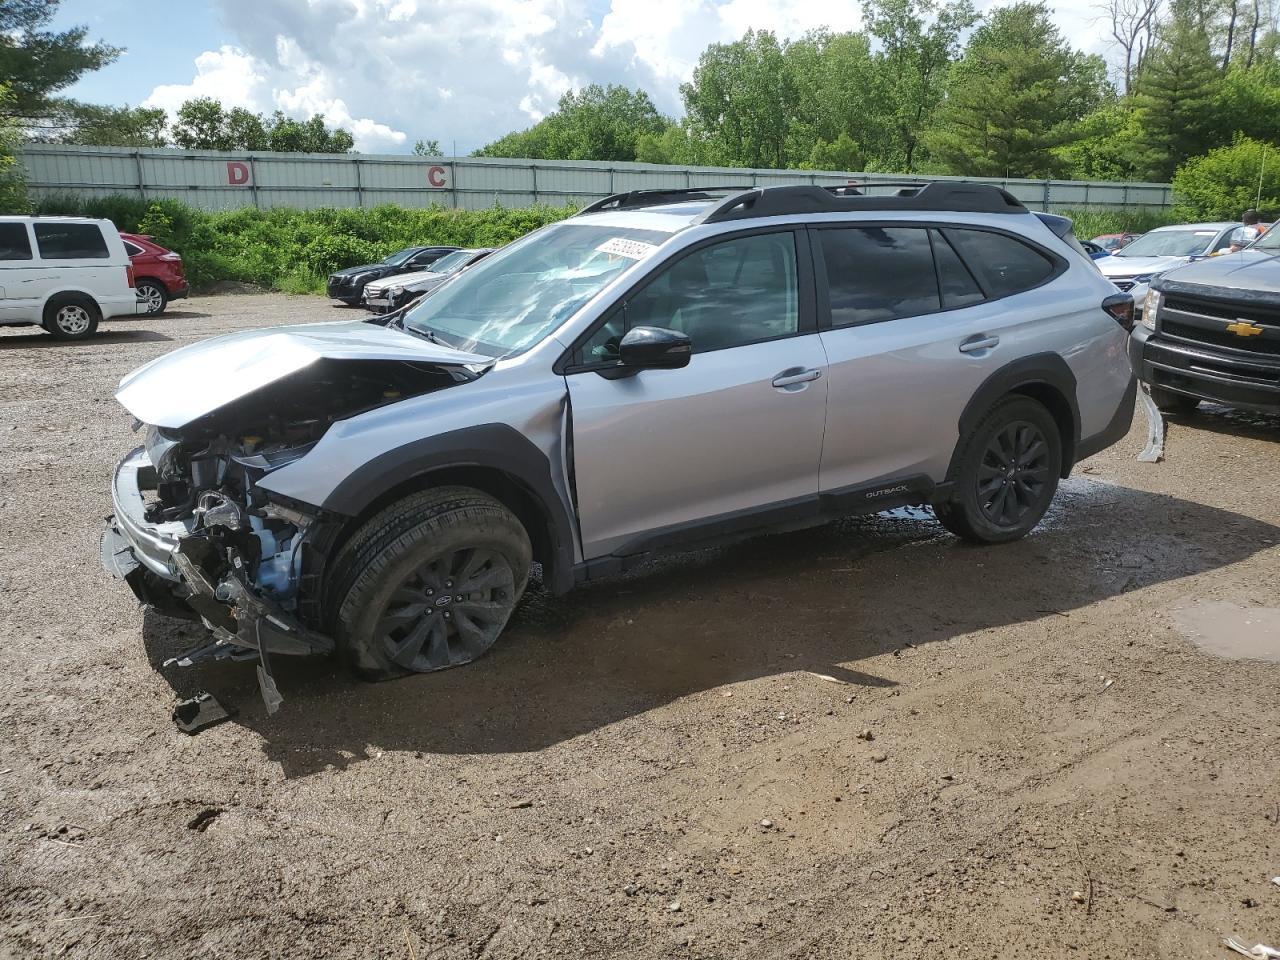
(153, 296)
(1176, 404)
(1007, 474)
(429, 582)
(71, 317)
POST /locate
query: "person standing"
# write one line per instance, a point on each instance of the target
(1250, 230)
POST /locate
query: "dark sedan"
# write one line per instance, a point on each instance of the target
(348, 285)
(1211, 331)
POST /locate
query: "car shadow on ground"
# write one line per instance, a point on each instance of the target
(185, 314)
(38, 338)
(820, 600)
(1231, 421)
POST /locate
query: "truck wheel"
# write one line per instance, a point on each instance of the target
(153, 295)
(1176, 404)
(428, 583)
(71, 316)
(1008, 473)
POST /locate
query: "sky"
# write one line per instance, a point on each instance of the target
(463, 72)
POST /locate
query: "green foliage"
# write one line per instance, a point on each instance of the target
(294, 250)
(1091, 222)
(203, 124)
(1224, 182)
(594, 123)
(427, 148)
(1176, 90)
(13, 193)
(1015, 95)
(104, 126)
(36, 63)
(1104, 146)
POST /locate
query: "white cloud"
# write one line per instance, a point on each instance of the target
(393, 71)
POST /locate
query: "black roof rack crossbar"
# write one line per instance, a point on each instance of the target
(649, 198)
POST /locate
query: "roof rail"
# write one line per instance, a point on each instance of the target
(941, 195)
(649, 198)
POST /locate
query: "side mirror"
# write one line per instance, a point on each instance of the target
(654, 348)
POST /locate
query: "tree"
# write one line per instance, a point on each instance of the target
(1174, 97)
(1014, 97)
(594, 123)
(1224, 182)
(427, 148)
(1133, 25)
(840, 114)
(1103, 146)
(918, 41)
(203, 124)
(36, 63)
(104, 126)
(13, 193)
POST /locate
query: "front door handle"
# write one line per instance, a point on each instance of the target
(788, 378)
(980, 342)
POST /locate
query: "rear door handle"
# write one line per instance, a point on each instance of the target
(791, 377)
(980, 342)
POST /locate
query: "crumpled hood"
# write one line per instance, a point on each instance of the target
(1249, 270)
(173, 390)
(1136, 266)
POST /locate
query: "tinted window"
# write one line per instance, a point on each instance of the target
(959, 289)
(71, 241)
(132, 249)
(878, 273)
(727, 295)
(14, 242)
(1002, 264)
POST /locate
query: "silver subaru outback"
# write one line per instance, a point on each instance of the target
(665, 369)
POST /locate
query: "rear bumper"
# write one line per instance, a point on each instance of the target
(1250, 382)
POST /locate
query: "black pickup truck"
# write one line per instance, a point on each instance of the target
(1211, 331)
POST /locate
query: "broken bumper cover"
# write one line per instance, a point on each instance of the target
(152, 559)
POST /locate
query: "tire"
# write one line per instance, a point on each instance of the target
(1176, 404)
(154, 295)
(1007, 473)
(391, 589)
(71, 316)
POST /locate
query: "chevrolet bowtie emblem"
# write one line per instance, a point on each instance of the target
(1244, 328)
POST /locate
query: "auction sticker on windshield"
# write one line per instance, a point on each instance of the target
(622, 247)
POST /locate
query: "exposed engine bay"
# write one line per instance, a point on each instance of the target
(246, 562)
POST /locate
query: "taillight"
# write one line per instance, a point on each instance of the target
(1120, 308)
(128, 275)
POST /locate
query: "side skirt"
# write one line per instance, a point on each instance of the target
(783, 517)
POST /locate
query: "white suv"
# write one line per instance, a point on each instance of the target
(64, 274)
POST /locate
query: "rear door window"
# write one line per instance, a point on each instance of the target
(1001, 264)
(15, 244)
(132, 249)
(878, 273)
(71, 241)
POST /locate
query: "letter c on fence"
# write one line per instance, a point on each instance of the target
(237, 173)
(436, 176)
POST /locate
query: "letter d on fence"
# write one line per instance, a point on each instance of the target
(237, 173)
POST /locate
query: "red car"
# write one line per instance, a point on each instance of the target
(157, 272)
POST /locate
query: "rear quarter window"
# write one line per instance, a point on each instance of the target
(1002, 265)
(14, 242)
(71, 241)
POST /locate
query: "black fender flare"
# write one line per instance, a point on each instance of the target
(490, 446)
(1039, 370)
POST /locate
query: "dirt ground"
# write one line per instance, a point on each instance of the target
(669, 764)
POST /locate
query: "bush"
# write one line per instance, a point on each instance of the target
(1224, 183)
(293, 250)
(1093, 221)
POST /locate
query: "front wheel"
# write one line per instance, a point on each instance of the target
(1007, 473)
(429, 582)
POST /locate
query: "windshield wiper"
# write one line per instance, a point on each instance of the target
(424, 334)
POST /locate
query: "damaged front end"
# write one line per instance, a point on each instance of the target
(193, 532)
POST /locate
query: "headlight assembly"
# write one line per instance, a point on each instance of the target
(1150, 307)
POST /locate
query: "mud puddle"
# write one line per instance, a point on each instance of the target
(1230, 630)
